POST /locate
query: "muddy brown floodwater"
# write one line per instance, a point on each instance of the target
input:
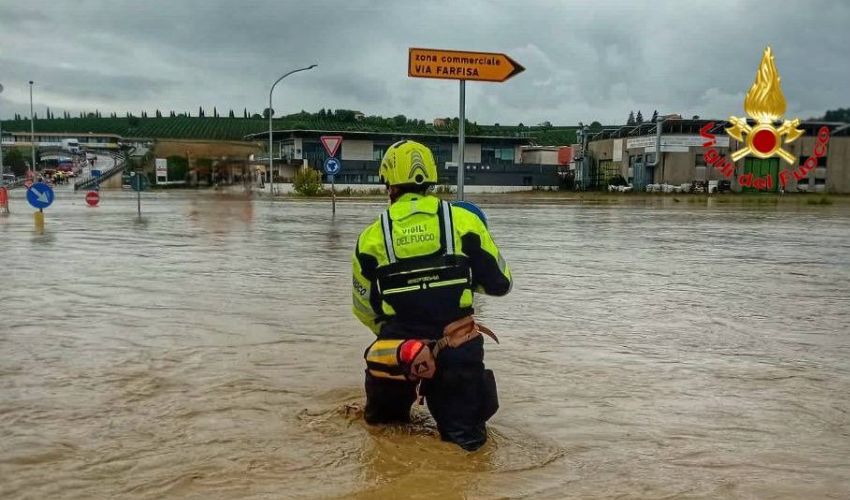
(208, 351)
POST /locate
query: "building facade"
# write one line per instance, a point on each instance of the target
(630, 152)
(488, 161)
(55, 140)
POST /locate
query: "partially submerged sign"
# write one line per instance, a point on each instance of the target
(461, 65)
(92, 198)
(40, 195)
(138, 181)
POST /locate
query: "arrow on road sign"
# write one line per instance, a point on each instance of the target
(42, 197)
(331, 143)
(461, 65)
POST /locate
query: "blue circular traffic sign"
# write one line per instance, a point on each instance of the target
(332, 166)
(40, 195)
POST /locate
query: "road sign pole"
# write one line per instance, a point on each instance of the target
(32, 133)
(139, 196)
(332, 166)
(461, 139)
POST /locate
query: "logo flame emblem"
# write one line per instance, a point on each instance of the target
(765, 101)
(765, 104)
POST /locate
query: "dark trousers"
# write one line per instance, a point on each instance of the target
(461, 397)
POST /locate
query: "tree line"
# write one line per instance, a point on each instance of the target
(837, 115)
(638, 119)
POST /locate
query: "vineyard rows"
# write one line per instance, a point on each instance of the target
(182, 127)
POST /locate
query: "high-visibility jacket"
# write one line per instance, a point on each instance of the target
(421, 262)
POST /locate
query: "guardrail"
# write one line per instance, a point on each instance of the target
(90, 181)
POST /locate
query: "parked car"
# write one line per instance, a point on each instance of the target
(7, 179)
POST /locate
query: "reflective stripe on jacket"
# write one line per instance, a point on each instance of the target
(405, 269)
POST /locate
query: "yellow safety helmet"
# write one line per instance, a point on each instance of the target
(408, 163)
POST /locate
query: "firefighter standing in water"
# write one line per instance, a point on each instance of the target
(415, 270)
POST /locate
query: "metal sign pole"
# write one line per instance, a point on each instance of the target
(333, 195)
(460, 140)
(139, 185)
(32, 134)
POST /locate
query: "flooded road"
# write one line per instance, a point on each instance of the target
(207, 350)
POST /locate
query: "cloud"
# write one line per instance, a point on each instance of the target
(584, 60)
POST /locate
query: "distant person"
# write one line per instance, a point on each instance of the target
(415, 270)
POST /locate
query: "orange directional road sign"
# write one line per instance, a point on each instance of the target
(460, 65)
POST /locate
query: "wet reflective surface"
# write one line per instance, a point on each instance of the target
(207, 350)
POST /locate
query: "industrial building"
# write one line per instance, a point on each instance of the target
(630, 151)
(489, 160)
(55, 140)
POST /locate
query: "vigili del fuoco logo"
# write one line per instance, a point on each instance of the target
(765, 105)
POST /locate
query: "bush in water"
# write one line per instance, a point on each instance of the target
(308, 182)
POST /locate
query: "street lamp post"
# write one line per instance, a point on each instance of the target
(32, 135)
(271, 177)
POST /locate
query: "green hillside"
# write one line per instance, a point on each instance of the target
(224, 128)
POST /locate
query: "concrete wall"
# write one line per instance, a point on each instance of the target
(603, 150)
(838, 166)
(114, 182)
(679, 168)
(540, 157)
(356, 150)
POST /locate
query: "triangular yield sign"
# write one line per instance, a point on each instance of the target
(331, 143)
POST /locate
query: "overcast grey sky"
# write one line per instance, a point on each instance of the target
(584, 60)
